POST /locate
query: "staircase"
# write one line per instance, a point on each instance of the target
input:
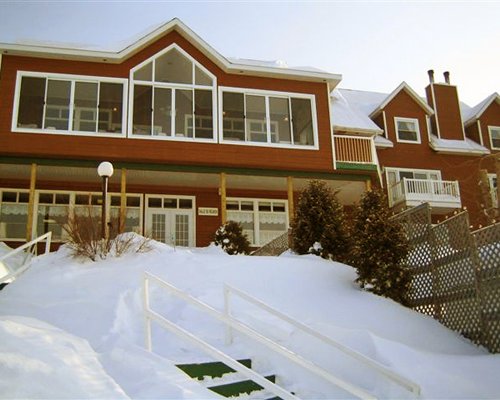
(275, 247)
(225, 381)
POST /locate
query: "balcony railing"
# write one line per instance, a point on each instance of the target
(355, 149)
(445, 194)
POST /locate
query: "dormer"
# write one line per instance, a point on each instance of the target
(482, 122)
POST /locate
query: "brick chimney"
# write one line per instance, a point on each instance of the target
(443, 98)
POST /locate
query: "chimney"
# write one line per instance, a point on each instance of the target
(431, 75)
(446, 77)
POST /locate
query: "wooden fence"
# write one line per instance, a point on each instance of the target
(455, 274)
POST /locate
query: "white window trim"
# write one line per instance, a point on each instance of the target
(269, 93)
(255, 211)
(72, 78)
(490, 129)
(422, 171)
(413, 120)
(154, 84)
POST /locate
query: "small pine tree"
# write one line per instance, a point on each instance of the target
(380, 247)
(319, 225)
(231, 238)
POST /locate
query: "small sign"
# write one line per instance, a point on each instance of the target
(208, 211)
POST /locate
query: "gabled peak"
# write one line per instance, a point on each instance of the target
(475, 112)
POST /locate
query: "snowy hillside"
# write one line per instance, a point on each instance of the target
(75, 330)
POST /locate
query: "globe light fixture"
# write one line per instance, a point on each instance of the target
(105, 171)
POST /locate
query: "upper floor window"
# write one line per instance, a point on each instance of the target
(407, 130)
(395, 175)
(173, 96)
(494, 137)
(273, 118)
(55, 103)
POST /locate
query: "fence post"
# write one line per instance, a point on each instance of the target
(147, 318)
(227, 313)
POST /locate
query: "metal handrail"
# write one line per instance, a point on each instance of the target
(402, 381)
(14, 274)
(234, 324)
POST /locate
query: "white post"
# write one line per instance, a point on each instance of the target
(147, 318)
(227, 313)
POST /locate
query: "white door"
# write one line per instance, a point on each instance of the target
(173, 227)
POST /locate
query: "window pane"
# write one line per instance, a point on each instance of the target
(133, 201)
(185, 203)
(13, 221)
(145, 73)
(85, 112)
(82, 199)
(271, 225)
(9, 196)
(173, 67)
(163, 112)
(232, 205)
(58, 99)
(31, 100)
(495, 138)
(280, 120)
(302, 122)
(141, 124)
(407, 130)
(184, 113)
(46, 198)
(247, 205)
(203, 114)
(170, 203)
(201, 78)
(154, 202)
(278, 207)
(52, 218)
(233, 116)
(246, 219)
(110, 107)
(256, 118)
(264, 206)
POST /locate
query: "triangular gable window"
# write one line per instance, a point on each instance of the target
(173, 96)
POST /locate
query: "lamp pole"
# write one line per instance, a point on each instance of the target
(105, 171)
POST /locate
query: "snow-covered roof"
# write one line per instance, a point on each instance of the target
(350, 110)
(457, 146)
(383, 142)
(117, 53)
(473, 113)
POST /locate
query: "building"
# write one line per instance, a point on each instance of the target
(195, 139)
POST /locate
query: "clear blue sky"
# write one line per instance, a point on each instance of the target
(374, 45)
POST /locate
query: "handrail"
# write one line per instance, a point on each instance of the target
(14, 274)
(230, 321)
(406, 383)
(354, 149)
(423, 189)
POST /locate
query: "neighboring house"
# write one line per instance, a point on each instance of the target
(195, 138)
(430, 150)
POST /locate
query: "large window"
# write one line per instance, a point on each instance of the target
(173, 98)
(13, 214)
(259, 117)
(262, 220)
(407, 130)
(54, 103)
(494, 137)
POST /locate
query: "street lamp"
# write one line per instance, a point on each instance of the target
(105, 171)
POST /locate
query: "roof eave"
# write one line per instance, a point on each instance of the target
(357, 130)
(450, 150)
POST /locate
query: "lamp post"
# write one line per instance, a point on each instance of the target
(105, 171)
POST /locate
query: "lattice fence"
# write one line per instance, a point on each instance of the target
(275, 247)
(455, 274)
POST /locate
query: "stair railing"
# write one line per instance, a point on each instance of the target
(239, 326)
(398, 379)
(13, 273)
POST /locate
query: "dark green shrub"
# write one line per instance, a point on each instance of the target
(231, 238)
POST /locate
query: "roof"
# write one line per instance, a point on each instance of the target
(117, 54)
(403, 86)
(457, 146)
(471, 114)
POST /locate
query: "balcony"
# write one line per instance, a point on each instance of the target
(443, 196)
(355, 152)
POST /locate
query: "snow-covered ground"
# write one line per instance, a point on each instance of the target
(72, 329)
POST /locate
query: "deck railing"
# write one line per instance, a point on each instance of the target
(355, 149)
(424, 190)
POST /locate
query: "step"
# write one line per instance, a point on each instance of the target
(213, 369)
(240, 387)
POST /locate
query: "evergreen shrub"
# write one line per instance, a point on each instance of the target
(231, 238)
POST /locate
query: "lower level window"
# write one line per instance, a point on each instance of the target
(262, 220)
(13, 214)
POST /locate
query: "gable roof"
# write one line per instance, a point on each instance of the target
(403, 86)
(475, 112)
(116, 56)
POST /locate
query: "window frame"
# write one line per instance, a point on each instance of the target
(490, 129)
(174, 87)
(267, 94)
(396, 170)
(417, 127)
(72, 78)
(18, 192)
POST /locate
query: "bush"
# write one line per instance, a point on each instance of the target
(231, 238)
(319, 224)
(380, 249)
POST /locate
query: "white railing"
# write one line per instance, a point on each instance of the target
(424, 190)
(355, 149)
(398, 379)
(242, 328)
(15, 267)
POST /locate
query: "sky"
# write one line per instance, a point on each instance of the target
(374, 45)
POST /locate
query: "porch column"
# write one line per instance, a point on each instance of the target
(222, 188)
(368, 185)
(497, 163)
(31, 204)
(123, 200)
(291, 211)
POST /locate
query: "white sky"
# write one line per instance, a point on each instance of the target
(374, 45)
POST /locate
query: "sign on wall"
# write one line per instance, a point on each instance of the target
(208, 211)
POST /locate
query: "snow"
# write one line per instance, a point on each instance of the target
(467, 145)
(79, 326)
